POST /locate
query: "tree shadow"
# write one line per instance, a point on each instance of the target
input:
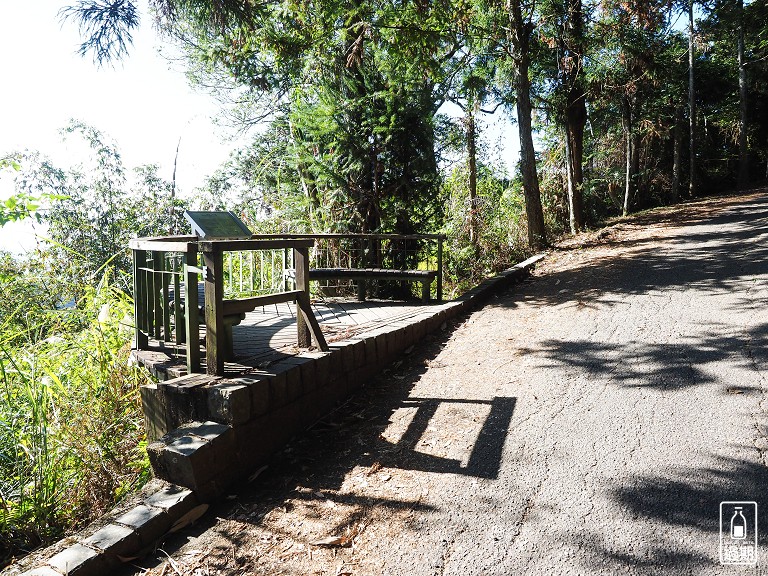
(680, 498)
(664, 366)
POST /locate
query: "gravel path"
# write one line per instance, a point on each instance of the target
(589, 421)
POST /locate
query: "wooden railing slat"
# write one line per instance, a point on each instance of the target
(139, 289)
(180, 331)
(192, 320)
(165, 300)
(157, 309)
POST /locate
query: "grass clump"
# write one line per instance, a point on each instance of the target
(71, 427)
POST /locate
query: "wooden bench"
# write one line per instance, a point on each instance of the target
(362, 274)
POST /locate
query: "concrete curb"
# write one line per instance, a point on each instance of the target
(125, 537)
(201, 459)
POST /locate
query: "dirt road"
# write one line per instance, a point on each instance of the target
(589, 421)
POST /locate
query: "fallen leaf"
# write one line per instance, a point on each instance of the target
(189, 518)
(255, 475)
(331, 541)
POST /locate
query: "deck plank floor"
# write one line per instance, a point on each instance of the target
(268, 334)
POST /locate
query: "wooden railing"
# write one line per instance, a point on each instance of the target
(386, 251)
(177, 276)
(167, 268)
(158, 265)
(217, 308)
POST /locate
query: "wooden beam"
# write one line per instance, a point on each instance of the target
(192, 320)
(242, 305)
(351, 236)
(301, 263)
(215, 337)
(311, 323)
(242, 245)
(160, 245)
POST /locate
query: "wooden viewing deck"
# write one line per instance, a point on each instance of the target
(254, 299)
(206, 432)
(269, 333)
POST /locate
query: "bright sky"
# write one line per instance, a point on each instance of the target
(141, 103)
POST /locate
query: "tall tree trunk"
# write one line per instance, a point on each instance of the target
(360, 180)
(301, 169)
(521, 32)
(677, 153)
(576, 114)
(569, 183)
(627, 125)
(693, 181)
(472, 161)
(537, 235)
(743, 177)
(636, 182)
(575, 148)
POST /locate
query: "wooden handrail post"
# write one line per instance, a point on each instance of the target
(439, 268)
(157, 293)
(301, 263)
(215, 338)
(139, 296)
(192, 326)
(180, 331)
(165, 283)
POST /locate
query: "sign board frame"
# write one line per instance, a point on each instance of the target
(215, 225)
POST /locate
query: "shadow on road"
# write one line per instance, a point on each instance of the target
(353, 440)
(681, 498)
(665, 366)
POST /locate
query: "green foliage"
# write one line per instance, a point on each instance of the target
(18, 207)
(501, 241)
(72, 432)
(93, 209)
(32, 297)
(22, 205)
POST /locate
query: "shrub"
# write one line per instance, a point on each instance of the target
(71, 429)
